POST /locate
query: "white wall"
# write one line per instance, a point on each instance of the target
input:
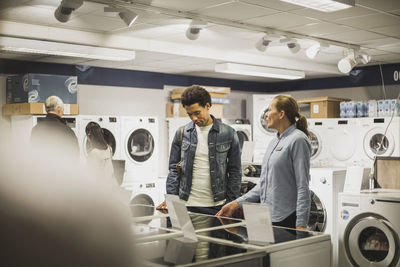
(5, 128)
(108, 100)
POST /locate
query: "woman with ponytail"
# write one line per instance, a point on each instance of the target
(285, 169)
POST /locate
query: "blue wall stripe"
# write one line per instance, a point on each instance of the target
(362, 76)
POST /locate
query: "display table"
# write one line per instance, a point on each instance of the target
(223, 242)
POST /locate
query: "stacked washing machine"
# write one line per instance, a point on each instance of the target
(140, 150)
(319, 143)
(261, 134)
(111, 126)
(242, 128)
(369, 229)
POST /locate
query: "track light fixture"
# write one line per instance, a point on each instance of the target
(314, 50)
(364, 58)
(348, 62)
(292, 44)
(193, 32)
(64, 10)
(262, 44)
(128, 16)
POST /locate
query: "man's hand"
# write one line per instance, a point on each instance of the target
(162, 206)
(228, 209)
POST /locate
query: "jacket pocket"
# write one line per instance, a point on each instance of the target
(222, 152)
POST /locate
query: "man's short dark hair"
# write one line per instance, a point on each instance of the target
(195, 94)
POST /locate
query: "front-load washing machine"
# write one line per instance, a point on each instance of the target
(21, 126)
(369, 228)
(242, 128)
(140, 144)
(319, 146)
(342, 135)
(111, 129)
(374, 142)
(261, 134)
(145, 197)
(325, 185)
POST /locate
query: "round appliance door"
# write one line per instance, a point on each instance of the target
(342, 145)
(140, 145)
(108, 136)
(316, 144)
(262, 123)
(371, 241)
(142, 205)
(317, 219)
(243, 135)
(378, 144)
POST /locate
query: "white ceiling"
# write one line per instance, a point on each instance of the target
(233, 28)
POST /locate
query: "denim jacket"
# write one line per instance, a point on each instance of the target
(224, 156)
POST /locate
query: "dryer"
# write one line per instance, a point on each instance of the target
(145, 197)
(372, 141)
(261, 134)
(112, 133)
(325, 185)
(242, 128)
(319, 146)
(140, 150)
(342, 136)
(369, 229)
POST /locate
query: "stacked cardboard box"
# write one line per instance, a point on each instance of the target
(323, 107)
(26, 93)
(174, 108)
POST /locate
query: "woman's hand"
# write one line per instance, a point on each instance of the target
(228, 209)
(301, 228)
(162, 206)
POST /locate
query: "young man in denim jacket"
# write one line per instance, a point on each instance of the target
(209, 156)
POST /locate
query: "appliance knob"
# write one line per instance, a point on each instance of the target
(372, 201)
(140, 185)
(323, 180)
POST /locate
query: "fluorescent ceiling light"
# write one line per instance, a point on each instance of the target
(62, 49)
(259, 71)
(323, 5)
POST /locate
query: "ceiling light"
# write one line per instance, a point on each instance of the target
(64, 10)
(259, 71)
(30, 46)
(262, 44)
(313, 50)
(348, 62)
(292, 44)
(364, 58)
(128, 16)
(323, 5)
(193, 32)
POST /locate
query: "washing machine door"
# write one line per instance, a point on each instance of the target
(317, 220)
(262, 123)
(316, 144)
(370, 240)
(342, 144)
(377, 143)
(108, 136)
(140, 145)
(142, 205)
(243, 135)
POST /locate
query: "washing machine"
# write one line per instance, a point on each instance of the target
(261, 134)
(242, 128)
(325, 185)
(140, 142)
(112, 133)
(369, 228)
(342, 136)
(144, 198)
(372, 141)
(319, 146)
(21, 126)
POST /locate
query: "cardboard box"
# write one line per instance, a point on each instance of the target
(36, 109)
(324, 107)
(35, 88)
(211, 89)
(176, 110)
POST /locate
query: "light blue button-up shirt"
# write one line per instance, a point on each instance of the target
(284, 179)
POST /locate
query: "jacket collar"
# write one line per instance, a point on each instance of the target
(54, 117)
(286, 132)
(215, 126)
